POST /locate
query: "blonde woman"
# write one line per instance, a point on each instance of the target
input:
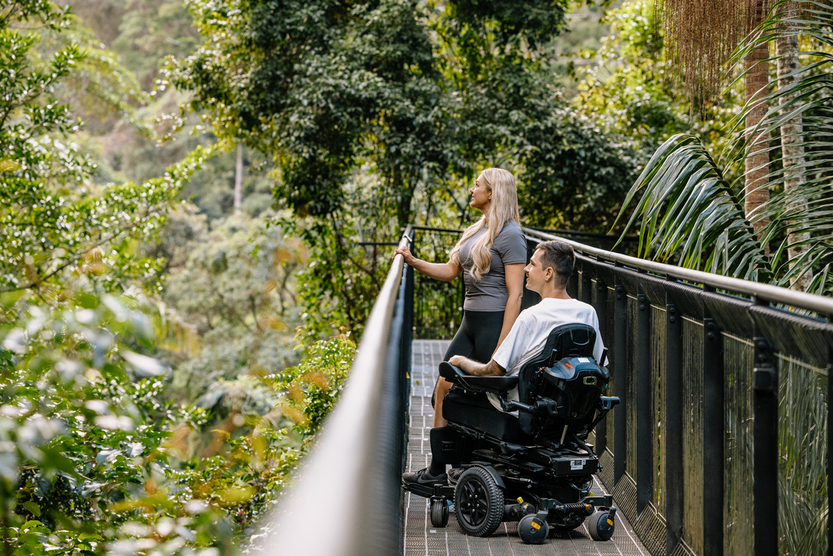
(491, 254)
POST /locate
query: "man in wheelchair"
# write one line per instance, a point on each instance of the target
(518, 424)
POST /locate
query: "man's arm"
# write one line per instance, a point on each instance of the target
(477, 369)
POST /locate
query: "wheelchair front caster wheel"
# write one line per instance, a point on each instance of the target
(532, 529)
(439, 512)
(601, 526)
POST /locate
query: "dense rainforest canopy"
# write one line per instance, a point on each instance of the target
(196, 197)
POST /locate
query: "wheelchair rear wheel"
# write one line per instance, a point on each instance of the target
(478, 502)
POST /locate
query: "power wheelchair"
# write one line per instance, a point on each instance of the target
(528, 461)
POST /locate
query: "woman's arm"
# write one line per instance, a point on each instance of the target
(515, 289)
(438, 271)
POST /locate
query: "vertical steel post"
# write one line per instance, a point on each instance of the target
(644, 415)
(600, 304)
(829, 457)
(586, 286)
(620, 354)
(673, 416)
(713, 431)
(572, 285)
(765, 488)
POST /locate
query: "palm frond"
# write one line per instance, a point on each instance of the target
(687, 210)
(806, 209)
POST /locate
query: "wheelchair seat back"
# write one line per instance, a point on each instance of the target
(575, 384)
(553, 377)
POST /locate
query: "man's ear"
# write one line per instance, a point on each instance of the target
(548, 273)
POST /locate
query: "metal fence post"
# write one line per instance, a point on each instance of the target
(600, 304)
(674, 502)
(586, 286)
(572, 285)
(713, 432)
(620, 353)
(765, 489)
(644, 413)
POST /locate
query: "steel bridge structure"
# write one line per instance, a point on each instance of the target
(723, 428)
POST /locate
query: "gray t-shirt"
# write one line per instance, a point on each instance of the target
(489, 294)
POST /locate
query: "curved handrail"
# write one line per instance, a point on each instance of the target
(344, 505)
(761, 292)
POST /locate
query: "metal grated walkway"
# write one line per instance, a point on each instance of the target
(421, 538)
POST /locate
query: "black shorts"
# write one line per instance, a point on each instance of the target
(476, 338)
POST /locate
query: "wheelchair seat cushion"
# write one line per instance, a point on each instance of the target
(474, 410)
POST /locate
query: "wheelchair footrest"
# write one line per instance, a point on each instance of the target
(427, 491)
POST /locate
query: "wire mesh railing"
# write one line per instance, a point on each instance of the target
(719, 446)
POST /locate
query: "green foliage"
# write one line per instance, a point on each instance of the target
(92, 453)
(315, 385)
(150, 31)
(686, 202)
(95, 456)
(631, 91)
(376, 113)
(688, 211)
(230, 299)
(802, 487)
(52, 217)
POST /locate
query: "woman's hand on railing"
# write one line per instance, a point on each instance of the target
(406, 253)
(438, 271)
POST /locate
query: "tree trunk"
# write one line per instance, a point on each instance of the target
(786, 49)
(756, 192)
(238, 179)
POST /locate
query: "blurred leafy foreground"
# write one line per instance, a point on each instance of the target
(111, 440)
(92, 460)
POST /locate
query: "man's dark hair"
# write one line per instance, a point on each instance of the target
(560, 257)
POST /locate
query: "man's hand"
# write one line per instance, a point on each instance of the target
(477, 369)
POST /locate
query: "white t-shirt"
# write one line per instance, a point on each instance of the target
(529, 334)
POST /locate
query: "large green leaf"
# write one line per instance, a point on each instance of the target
(690, 216)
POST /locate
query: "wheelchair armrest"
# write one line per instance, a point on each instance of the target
(608, 402)
(496, 384)
(450, 372)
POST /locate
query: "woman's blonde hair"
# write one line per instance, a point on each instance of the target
(504, 208)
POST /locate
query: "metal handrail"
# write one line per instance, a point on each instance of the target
(357, 452)
(760, 292)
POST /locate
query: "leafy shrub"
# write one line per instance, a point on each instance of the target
(93, 459)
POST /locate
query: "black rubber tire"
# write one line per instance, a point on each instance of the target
(439, 512)
(601, 526)
(532, 529)
(478, 502)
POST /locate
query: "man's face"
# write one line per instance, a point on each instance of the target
(535, 277)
